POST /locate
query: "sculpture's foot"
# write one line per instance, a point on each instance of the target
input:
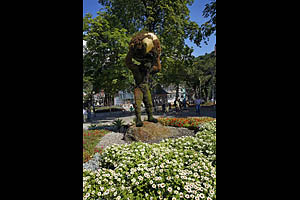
(152, 119)
(139, 124)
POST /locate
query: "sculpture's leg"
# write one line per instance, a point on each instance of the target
(148, 102)
(138, 97)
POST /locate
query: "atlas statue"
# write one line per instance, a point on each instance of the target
(143, 59)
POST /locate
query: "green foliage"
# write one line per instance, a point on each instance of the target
(201, 75)
(169, 20)
(176, 66)
(103, 63)
(109, 33)
(118, 123)
(98, 126)
(210, 12)
(202, 33)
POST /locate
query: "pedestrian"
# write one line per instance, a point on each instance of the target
(184, 103)
(177, 105)
(167, 107)
(89, 114)
(131, 108)
(124, 107)
(180, 104)
(84, 115)
(163, 108)
(197, 103)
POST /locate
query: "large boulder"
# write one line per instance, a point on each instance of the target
(154, 132)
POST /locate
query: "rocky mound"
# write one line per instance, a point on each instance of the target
(155, 132)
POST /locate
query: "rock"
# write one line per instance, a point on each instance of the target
(155, 132)
(110, 139)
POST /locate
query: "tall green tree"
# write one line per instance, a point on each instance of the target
(104, 59)
(169, 19)
(208, 28)
(201, 75)
(176, 67)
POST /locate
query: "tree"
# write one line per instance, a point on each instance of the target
(210, 12)
(104, 59)
(202, 33)
(167, 19)
(201, 75)
(176, 68)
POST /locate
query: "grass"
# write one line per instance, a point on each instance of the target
(90, 140)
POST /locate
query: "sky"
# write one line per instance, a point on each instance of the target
(92, 7)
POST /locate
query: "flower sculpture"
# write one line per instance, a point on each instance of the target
(144, 49)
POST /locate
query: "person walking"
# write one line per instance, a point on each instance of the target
(167, 107)
(84, 115)
(184, 103)
(89, 114)
(177, 107)
(163, 107)
(197, 103)
(180, 105)
(131, 108)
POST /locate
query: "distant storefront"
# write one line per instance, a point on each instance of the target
(123, 98)
(159, 96)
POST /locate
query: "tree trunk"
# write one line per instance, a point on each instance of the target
(199, 94)
(177, 92)
(109, 97)
(93, 105)
(195, 90)
(105, 102)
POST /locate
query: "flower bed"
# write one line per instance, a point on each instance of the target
(191, 123)
(203, 142)
(183, 168)
(90, 139)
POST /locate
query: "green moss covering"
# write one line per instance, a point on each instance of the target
(149, 64)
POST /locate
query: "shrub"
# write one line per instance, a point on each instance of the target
(118, 123)
(95, 127)
(173, 169)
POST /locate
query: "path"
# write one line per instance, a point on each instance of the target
(127, 117)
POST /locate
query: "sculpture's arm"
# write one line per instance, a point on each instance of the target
(128, 61)
(157, 66)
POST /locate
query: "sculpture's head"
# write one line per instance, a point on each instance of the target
(141, 44)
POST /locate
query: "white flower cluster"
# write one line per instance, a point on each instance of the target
(173, 169)
(209, 126)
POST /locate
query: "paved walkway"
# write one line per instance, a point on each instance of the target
(109, 117)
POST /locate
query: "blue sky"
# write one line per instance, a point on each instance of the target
(92, 7)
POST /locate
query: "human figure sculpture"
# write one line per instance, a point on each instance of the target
(144, 48)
